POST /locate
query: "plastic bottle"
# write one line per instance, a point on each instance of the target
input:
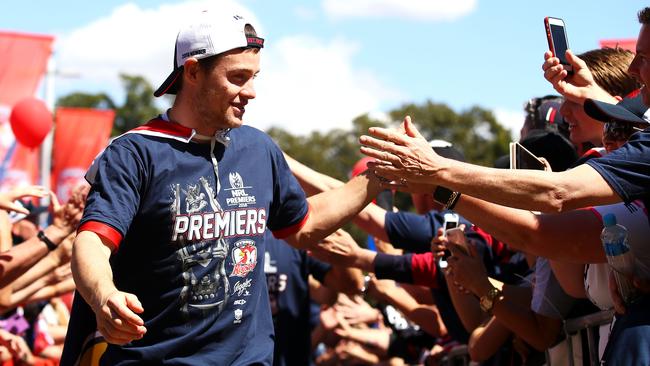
(619, 256)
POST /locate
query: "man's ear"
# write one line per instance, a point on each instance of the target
(191, 71)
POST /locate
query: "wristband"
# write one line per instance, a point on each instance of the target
(50, 245)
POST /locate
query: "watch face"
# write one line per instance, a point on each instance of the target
(486, 303)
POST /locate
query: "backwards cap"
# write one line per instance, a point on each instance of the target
(631, 109)
(209, 34)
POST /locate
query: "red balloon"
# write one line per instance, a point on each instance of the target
(31, 121)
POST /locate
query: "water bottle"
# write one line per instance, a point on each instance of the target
(619, 256)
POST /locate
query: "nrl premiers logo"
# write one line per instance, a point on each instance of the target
(244, 258)
(238, 196)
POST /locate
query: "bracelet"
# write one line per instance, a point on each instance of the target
(453, 201)
(50, 244)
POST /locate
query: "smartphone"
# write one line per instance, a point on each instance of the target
(521, 158)
(558, 42)
(451, 220)
(456, 237)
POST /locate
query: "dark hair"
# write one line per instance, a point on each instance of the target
(609, 68)
(644, 15)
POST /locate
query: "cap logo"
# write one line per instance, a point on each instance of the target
(194, 53)
(256, 42)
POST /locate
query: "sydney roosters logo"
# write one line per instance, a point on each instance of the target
(244, 258)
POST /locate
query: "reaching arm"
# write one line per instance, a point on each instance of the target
(370, 219)
(408, 156)
(546, 235)
(115, 311)
(571, 277)
(487, 339)
(58, 257)
(537, 330)
(21, 258)
(326, 217)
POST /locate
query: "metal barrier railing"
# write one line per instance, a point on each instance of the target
(588, 324)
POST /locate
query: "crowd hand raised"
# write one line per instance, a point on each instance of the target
(7, 198)
(577, 87)
(403, 158)
(117, 318)
(67, 216)
(338, 248)
(467, 272)
(355, 310)
(328, 318)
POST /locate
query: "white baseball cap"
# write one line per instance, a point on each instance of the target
(209, 34)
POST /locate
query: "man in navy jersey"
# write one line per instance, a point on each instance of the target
(169, 254)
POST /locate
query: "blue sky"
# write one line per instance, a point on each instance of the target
(327, 61)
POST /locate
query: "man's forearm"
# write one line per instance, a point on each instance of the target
(311, 181)
(331, 209)
(534, 190)
(91, 269)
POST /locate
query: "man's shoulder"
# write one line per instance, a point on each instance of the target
(250, 134)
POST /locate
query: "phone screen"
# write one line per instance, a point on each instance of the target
(559, 42)
(524, 159)
(450, 225)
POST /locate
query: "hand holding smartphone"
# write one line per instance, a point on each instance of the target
(558, 42)
(451, 220)
(456, 239)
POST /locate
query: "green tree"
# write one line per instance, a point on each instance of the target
(474, 131)
(84, 100)
(138, 107)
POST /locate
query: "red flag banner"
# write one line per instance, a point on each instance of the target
(626, 44)
(79, 136)
(22, 65)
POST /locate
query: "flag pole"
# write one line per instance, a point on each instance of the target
(46, 146)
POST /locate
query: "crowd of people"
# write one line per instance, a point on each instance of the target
(199, 242)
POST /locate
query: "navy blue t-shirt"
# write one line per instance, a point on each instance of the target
(188, 243)
(627, 169)
(287, 270)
